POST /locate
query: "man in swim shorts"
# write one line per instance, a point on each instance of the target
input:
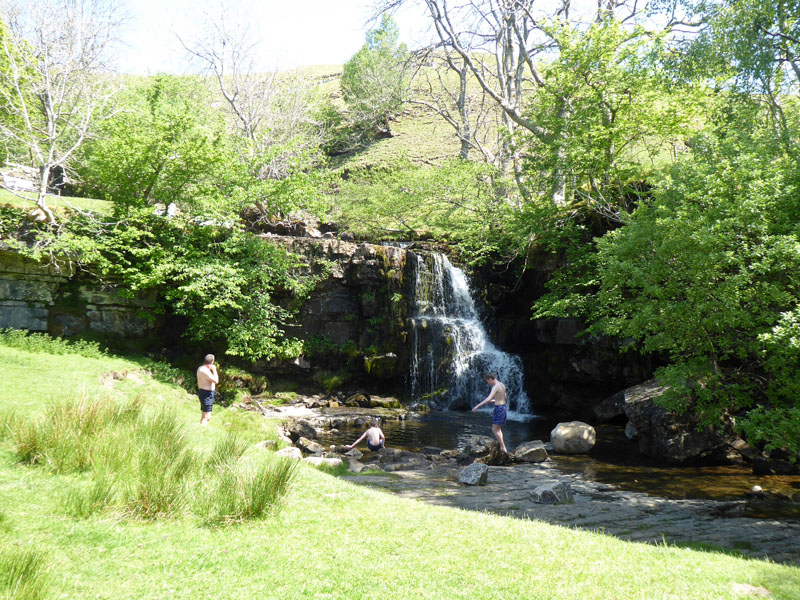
(375, 438)
(497, 397)
(207, 380)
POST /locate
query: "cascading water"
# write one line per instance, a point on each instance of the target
(450, 349)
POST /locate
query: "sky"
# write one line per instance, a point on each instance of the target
(293, 33)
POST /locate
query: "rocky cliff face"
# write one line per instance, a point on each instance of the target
(564, 368)
(39, 297)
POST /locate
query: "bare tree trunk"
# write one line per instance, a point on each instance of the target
(41, 197)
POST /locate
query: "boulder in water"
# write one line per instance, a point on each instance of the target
(300, 428)
(531, 452)
(574, 437)
(496, 457)
(310, 446)
(474, 474)
(476, 445)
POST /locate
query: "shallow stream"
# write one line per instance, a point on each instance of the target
(615, 460)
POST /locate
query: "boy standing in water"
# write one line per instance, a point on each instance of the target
(375, 438)
(497, 397)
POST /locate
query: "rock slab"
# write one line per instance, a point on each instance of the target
(475, 474)
(531, 452)
(574, 437)
(552, 493)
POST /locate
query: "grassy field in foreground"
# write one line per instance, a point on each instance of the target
(332, 539)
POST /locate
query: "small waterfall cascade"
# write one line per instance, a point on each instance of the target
(450, 350)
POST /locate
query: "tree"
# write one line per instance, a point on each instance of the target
(164, 144)
(374, 80)
(271, 113)
(56, 53)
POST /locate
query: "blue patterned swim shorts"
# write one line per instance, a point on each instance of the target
(499, 415)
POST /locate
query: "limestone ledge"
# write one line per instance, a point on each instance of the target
(41, 297)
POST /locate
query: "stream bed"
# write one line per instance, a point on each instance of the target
(615, 460)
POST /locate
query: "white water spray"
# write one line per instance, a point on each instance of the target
(451, 351)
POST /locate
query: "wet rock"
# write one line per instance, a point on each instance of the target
(496, 457)
(630, 431)
(552, 493)
(677, 439)
(383, 366)
(531, 452)
(290, 452)
(301, 428)
(614, 406)
(451, 453)
(310, 446)
(319, 461)
(574, 437)
(773, 466)
(359, 400)
(354, 453)
(475, 474)
(431, 451)
(476, 445)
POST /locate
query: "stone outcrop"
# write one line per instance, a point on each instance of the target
(310, 446)
(613, 407)
(574, 437)
(674, 438)
(474, 474)
(476, 445)
(43, 298)
(290, 452)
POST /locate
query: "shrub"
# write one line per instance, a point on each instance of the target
(226, 452)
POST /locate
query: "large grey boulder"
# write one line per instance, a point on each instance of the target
(531, 452)
(290, 452)
(574, 437)
(310, 446)
(474, 474)
(552, 493)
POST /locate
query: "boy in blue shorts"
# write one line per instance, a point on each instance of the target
(497, 397)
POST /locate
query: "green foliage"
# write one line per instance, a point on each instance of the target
(164, 144)
(374, 80)
(23, 574)
(41, 342)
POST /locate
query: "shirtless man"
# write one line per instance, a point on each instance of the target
(497, 397)
(207, 380)
(375, 438)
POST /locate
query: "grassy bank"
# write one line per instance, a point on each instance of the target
(330, 540)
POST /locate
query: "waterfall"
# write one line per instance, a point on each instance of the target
(450, 350)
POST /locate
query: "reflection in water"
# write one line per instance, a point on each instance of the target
(615, 460)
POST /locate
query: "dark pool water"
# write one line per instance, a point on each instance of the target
(614, 460)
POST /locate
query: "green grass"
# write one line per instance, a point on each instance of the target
(332, 539)
(56, 203)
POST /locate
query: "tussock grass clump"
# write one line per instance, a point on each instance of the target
(163, 465)
(227, 452)
(22, 574)
(70, 435)
(247, 493)
(83, 502)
